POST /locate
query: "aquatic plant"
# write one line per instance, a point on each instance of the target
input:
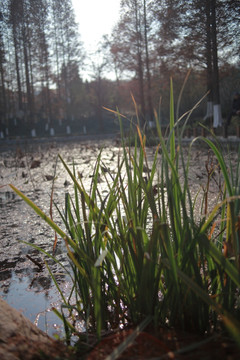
(140, 253)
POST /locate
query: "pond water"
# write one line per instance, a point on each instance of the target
(31, 168)
(24, 280)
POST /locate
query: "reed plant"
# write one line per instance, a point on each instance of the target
(141, 253)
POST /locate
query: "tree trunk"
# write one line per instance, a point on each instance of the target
(209, 114)
(217, 117)
(49, 103)
(99, 103)
(4, 102)
(149, 87)
(140, 65)
(2, 60)
(29, 95)
(27, 73)
(20, 104)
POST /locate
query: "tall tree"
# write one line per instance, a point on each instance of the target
(14, 22)
(66, 48)
(2, 74)
(217, 116)
(128, 42)
(97, 93)
(149, 85)
(40, 43)
(40, 18)
(203, 33)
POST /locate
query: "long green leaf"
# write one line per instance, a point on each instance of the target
(46, 218)
(232, 324)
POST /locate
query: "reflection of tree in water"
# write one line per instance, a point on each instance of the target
(6, 274)
(40, 283)
(31, 266)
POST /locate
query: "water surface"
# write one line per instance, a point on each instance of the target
(24, 280)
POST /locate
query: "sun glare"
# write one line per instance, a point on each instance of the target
(95, 18)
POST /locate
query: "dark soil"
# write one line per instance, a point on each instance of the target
(166, 344)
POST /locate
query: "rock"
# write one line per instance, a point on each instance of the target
(35, 164)
(66, 183)
(49, 177)
(20, 339)
(22, 164)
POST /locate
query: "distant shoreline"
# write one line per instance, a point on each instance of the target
(9, 144)
(13, 143)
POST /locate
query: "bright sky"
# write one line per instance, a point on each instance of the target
(95, 18)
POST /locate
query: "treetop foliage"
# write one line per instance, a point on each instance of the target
(42, 58)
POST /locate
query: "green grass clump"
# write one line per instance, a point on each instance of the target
(141, 252)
